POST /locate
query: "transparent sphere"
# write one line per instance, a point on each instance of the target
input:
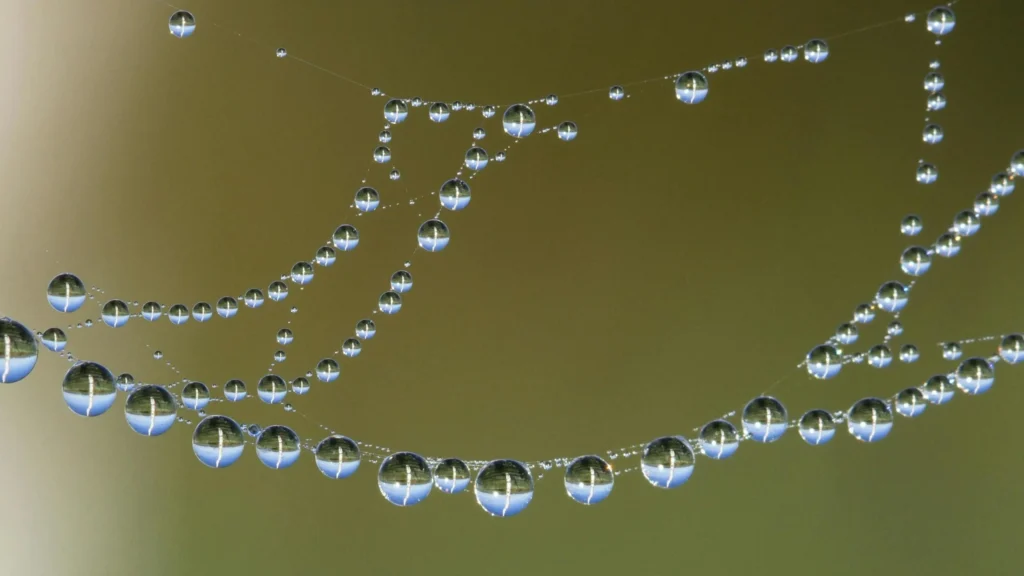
(879, 356)
(404, 479)
(54, 339)
(892, 297)
(395, 111)
(589, 480)
(691, 88)
(499, 157)
(616, 93)
(202, 312)
(936, 102)
(115, 313)
(65, 293)
(927, 174)
(451, 476)
(125, 382)
(910, 402)
(20, 352)
(89, 389)
(278, 447)
(226, 307)
(518, 121)
(1002, 184)
(382, 155)
(952, 351)
(195, 396)
(337, 457)
(788, 53)
(384, 137)
(947, 245)
(300, 386)
(325, 256)
(966, 223)
(817, 427)
(281, 53)
(367, 199)
(234, 391)
(401, 281)
(934, 82)
(395, 175)
(815, 51)
(1011, 348)
(366, 329)
(253, 298)
(869, 420)
(863, 313)
(764, 419)
(433, 235)
(389, 302)
(847, 333)
(351, 347)
(551, 99)
(975, 375)
(151, 311)
(895, 328)
(824, 362)
(932, 134)
(182, 24)
(345, 238)
(719, 439)
(567, 131)
(488, 111)
(941, 21)
(150, 410)
(278, 291)
(272, 389)
(439, 112)
(1017, 164)
(476, 158)
(280, 356)
(771, 56)
(911, 225)
(218, 441)
(909, 354)
(667, 462)
(503, 488)
(915, 261)
(479, 134)
(327, 370)
(986, 204)
(938, 389)
(454, 194)
(285, 336)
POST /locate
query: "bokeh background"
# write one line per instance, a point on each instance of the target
(667, 266)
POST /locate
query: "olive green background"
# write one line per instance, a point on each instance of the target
(658, 272)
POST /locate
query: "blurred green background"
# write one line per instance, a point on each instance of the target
(658, 272)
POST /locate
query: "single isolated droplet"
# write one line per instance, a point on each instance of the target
(182, 24)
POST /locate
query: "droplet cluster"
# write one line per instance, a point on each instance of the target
(505, 487)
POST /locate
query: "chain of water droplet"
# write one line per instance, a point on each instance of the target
(631, 449)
